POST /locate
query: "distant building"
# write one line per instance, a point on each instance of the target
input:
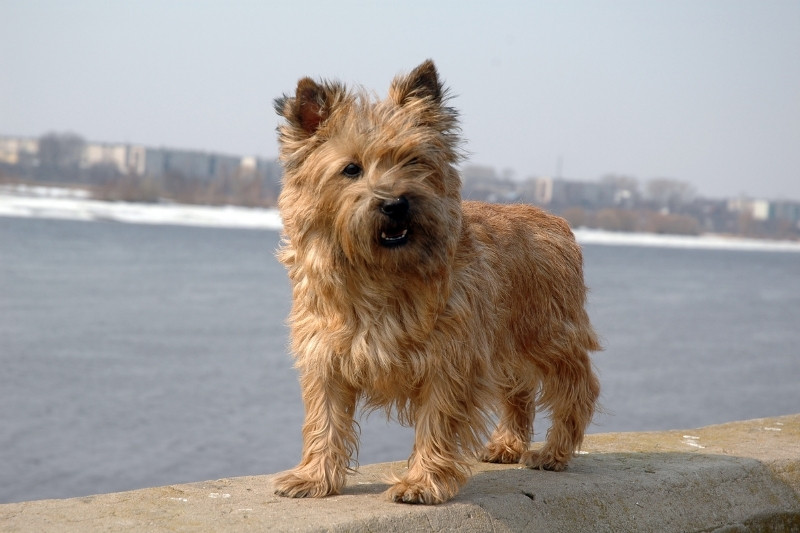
(562, 192)
(762, 210)
(18, 150)
(757, 209)
(114, 155)
(787, 210)
(137, 160)
(482, 183)
(541, 191)
(270, 170)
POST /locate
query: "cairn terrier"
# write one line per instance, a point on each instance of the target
(446, 313)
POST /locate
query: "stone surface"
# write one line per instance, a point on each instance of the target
(742, 476)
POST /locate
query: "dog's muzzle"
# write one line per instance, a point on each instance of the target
(394, 231)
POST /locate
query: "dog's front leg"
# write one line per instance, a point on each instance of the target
(329, 439)
(437, 468)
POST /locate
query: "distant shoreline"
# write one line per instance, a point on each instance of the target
(66, 204)
(708, 241)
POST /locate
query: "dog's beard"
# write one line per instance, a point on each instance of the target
(421, 242)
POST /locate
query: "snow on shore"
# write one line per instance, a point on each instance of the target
(66, 204)
(705, 242)
(46, 204)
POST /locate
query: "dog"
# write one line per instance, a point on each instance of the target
(447, 313)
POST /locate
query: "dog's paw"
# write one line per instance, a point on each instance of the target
(408, 492)
(499, 453)
(542, 460)
(293, 485)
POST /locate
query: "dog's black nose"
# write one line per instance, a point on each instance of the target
(396, 208)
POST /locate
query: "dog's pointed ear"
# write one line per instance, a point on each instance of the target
(310, 106)
(421, 83)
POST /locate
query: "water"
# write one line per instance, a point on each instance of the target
(135, 356)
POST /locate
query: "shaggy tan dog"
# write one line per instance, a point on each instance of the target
(407, 299)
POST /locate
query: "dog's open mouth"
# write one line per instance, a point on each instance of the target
(393, 237)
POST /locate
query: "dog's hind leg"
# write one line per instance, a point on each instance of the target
(569, 390)
(511, 437)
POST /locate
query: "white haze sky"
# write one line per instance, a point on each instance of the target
(701, 91)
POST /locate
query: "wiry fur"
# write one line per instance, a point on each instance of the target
(480, 310)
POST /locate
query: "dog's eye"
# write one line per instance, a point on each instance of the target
(352, 170)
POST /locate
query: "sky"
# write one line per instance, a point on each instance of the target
(706, 92)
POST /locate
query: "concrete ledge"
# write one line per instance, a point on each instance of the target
(741, 476)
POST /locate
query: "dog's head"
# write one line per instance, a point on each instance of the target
(368, 182)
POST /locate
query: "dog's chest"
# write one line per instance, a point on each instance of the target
(386, 343)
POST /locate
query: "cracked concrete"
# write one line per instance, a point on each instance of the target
(741, 476)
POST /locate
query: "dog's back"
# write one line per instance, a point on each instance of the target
(538, 267)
